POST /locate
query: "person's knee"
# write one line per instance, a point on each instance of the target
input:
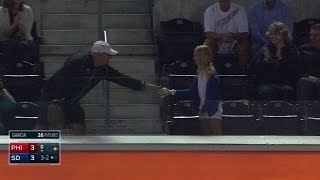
(287, 89)
(288, 93)
(265, 91)
(317, 83)
(305, 82)
(306, 89)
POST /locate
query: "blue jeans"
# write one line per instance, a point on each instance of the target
(308, 89)
(267, 92)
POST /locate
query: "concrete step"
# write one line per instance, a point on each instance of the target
(134, 66)
(124, 126)
(120, 96)
(90, 21)
(125, 66)
(91, 6)
(115, 36)
(61, 50)
(123, 111)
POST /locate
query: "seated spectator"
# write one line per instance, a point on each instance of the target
(226, 27)
(276, 66)
(204, 91)
(261, 15)
(16, 42)
(309, 85)
(7, 106)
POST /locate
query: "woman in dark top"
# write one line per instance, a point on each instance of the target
(276, 66)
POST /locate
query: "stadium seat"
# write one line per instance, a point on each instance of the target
(233, 87)
(227, 64)
(240, 118)
(177, 40)
(25, 116)
(184, 119)
(313, 118)
(24, 87)
(281, 118)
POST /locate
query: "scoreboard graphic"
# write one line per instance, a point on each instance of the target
(35, 147)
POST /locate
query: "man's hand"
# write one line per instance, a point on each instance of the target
(228, 37)
(152, 88)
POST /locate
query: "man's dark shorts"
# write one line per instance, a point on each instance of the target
(73, 114)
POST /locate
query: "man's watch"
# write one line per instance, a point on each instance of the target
(172, 92)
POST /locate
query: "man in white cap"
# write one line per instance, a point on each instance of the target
(75, 79)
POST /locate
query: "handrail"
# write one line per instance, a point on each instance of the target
(105, 84)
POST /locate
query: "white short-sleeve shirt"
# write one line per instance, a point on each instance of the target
(26, 20)
(235, 21)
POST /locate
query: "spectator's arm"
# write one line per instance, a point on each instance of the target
(254, 27)
(211, 41)
(259, 63)
(242, 36)
(8, 30)
(180, 92)
(28, 20)
(288, 18)
(189, 91)
(115, 76)
(152, 88)
(209, 28)
(243, 48)
(8, 102)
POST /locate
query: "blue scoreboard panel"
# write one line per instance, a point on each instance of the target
(35, 147)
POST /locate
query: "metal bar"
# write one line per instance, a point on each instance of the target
(105, 85)
(286, 116)
(236, 116)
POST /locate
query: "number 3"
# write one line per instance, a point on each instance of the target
(32, 147)
(32, 157)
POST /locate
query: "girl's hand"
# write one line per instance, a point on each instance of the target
(164, 92)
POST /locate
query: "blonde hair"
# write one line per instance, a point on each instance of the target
(281, 29)
(206, 58)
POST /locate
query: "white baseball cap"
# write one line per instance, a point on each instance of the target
(102, 46)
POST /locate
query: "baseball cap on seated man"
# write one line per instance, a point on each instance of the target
(102, 46)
